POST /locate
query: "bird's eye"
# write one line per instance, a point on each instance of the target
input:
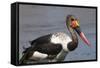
(72, 19)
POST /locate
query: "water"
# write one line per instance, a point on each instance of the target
(36, 21)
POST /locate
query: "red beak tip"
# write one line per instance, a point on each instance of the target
(89, 45)
(85, 39)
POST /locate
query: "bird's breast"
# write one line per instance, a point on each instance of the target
(61, 38)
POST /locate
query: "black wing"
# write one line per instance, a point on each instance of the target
(48, 48)
(41, 40)
(44, 45)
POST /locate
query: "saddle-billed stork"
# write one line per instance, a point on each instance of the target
(54, 47)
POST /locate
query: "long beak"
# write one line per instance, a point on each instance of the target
(81, 34)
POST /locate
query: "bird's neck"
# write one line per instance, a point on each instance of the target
(73, 35)
(74, 43)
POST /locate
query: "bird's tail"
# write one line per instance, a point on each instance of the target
(25, 54)
(22, 59)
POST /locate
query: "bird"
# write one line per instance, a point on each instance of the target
(55, 46)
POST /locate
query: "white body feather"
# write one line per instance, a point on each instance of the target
(38, 56)
(61, 38)
(56, 38)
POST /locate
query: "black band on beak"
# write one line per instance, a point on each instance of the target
(81, 34)
(78, 30)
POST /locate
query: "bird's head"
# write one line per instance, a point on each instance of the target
(73, 25)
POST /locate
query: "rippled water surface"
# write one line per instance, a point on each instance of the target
(36, 21)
